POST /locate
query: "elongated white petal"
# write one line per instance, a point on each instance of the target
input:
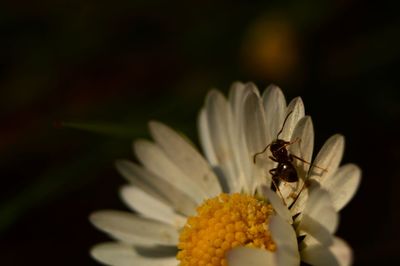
(284, 236)
(303, 138)
(186, 157)
(138, 177)
(296, 107)
(114, 254)
(219, 118)
(275, 109)
(117, 254)
(151, 207)
(318, 255)
(157, 186)
(237, 96)
(254, 122)
(133, 229)
(343, 185)
(205, 138)
(328, 158)
(156, 161)
(257, 137)
(342, 252)
(319, 218)
(277, 204)
(241, 256)
(323, 167)
(314, 232)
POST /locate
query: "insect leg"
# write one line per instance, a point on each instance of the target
(273, 159)
(272, 171)
(304, 161)
(279, 191)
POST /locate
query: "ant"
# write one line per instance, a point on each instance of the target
(285, 171)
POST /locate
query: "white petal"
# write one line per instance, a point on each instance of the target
(114, 254)
(254, 122)
(342, 252)
(151, 207)
(284, 236)
(136, 176)
(157, 162)
(314, 232)
(157, 187)
(237, 96)
(296, 107)
(117, 254)
(304, 136)
(257, 137)
(318, 255)
(277, 204)
(275, 109)
(133, 229)
(319, 219)
(328, 158)
(237, 93)
(219, 118)
(205, 138)
(241, 256)
(343, 185)
(186, 157)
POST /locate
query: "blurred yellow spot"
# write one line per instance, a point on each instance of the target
(221, 224)
(270, 49)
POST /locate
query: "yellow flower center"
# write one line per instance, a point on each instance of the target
(221, 224)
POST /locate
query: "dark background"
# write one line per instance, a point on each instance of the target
(80, 79)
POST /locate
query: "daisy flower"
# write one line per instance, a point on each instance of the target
(225, 209)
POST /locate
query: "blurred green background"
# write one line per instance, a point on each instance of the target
(80, 79)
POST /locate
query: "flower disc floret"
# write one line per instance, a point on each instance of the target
(222, 223)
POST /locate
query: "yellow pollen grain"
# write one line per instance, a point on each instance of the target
(222, 223)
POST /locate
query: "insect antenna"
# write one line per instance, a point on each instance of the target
(259, 153)
(284, 122)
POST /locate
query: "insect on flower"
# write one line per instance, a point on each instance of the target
(285, 170)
